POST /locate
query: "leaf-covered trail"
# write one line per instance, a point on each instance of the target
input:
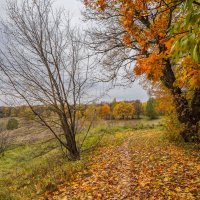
(109, 176)
(163, 170)
(142, 167)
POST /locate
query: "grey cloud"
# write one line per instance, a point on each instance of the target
(74, 7)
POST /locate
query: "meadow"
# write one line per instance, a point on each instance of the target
(34, 161)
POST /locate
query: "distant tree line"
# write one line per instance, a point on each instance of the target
(131, 109)
(122, 110)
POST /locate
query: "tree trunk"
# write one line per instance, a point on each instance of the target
(188, 113)
(74, 153)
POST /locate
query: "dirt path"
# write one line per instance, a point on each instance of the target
(162, 170)
(142, 167)
(108, 178)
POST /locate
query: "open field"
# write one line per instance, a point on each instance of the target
(34, 162)
(121, 156)
(30, 132)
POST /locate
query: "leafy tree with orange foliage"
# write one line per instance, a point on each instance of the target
(123, 110)
(105, 111)
(161, 107)
(140, 32)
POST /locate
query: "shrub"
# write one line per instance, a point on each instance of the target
(12, 124)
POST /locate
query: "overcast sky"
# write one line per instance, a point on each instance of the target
(75, 6)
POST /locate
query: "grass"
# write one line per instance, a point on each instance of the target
(24, 165)
(27, 171)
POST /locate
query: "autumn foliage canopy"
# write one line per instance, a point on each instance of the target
(163, 39)
(146, 24)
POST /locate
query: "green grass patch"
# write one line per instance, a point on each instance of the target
(27, 171)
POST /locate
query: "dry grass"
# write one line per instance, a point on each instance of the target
(33, 163)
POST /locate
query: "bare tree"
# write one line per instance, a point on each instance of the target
(45, 62)
(105, 39)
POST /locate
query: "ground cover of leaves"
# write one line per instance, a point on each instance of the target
(142, 167)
